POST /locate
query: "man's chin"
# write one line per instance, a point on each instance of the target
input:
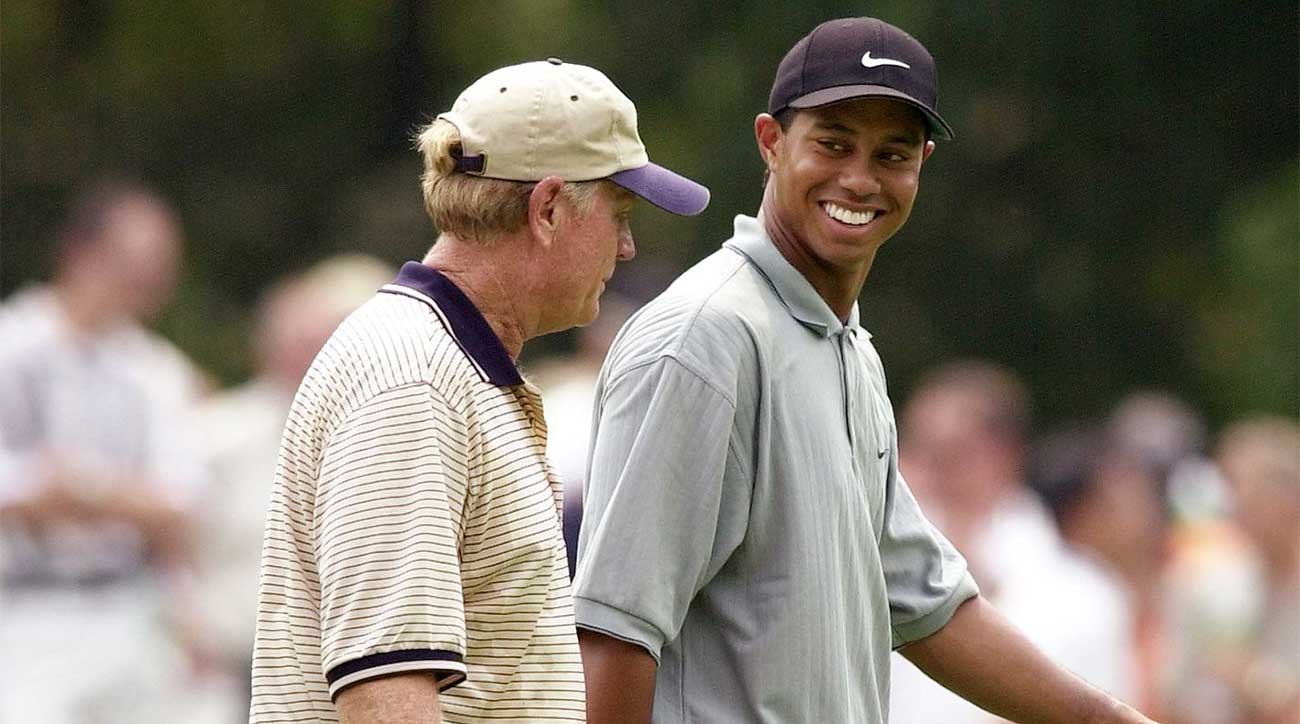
(592, 311)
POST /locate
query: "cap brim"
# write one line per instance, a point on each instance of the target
(669, 191)
(826, 96)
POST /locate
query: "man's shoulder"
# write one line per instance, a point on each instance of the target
(37, 332)
(163, 366)
(29, 321)
(391, 341)
(713, 319)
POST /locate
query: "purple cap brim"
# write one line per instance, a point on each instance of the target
(666, 189)
(835, 94)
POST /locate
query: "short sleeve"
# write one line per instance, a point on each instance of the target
(661, 513)
(386, 546)
(926, 578)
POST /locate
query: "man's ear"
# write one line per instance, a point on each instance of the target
(768, 134)
(544, 211)
(925, 152)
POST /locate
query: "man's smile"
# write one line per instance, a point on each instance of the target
(848, 216)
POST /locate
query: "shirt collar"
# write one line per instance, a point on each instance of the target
(796, 292)
(461, 318)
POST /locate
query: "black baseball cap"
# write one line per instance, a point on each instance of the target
(858, 58)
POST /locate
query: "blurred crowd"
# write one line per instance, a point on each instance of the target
(132, 492)
(1156, 558)
(1156, 561)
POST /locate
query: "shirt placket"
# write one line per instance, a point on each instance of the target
(859, 412)
(530, 399)
(851, 383)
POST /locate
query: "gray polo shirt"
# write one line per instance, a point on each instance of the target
(745, 519)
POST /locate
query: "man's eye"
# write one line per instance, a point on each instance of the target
(835, 146)
(893, 157)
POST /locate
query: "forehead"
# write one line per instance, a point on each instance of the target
(869, 116)
(934, 413)
(140, 228)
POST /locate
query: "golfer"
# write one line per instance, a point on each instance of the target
(749, 552)
(414, 567)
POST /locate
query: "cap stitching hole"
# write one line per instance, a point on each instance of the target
(618, 148)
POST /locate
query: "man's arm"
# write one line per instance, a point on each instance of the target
(620, 679)
(56, 493)
(398, 699)
(984, 659)
(391, 600)
(663, 511)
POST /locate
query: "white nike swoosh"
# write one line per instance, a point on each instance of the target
(871, 62)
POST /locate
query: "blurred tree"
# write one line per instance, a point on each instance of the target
(1101, 222)
(1246, 345)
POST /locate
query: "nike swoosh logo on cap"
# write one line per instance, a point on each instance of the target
(871, 62)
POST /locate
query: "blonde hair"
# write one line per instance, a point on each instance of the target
(476, 208)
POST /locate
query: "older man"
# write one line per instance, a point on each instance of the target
(414, 567)
(240, 428)
(750, 552)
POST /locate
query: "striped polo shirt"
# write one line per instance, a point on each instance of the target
(415, 524)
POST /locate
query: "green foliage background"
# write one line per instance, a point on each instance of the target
(1119, 209)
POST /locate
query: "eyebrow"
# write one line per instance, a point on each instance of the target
(911, 139)
(829, 126)
(621, 196)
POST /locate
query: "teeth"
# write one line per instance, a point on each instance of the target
(843, 215)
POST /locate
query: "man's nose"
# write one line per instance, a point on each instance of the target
(860, 179)
(626, 246)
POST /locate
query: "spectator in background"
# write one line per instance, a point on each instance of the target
(1234, 610)
(1106, 503)
(240, 429)
(1168, 437)
(1260, 459)
(1158, 513)
(962, 446)
(95, 471)
(962, 441)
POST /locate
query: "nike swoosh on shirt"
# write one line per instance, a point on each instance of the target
(871, 62)
(881, 455)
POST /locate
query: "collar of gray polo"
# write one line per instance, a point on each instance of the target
(795, 291)
(465, 323)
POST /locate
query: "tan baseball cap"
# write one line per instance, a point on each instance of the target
(550, 118)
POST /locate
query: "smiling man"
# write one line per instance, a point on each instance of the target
(414, 567)
(749, 551)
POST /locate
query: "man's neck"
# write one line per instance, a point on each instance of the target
(84, 309)
(839, 288)
(485, 274)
